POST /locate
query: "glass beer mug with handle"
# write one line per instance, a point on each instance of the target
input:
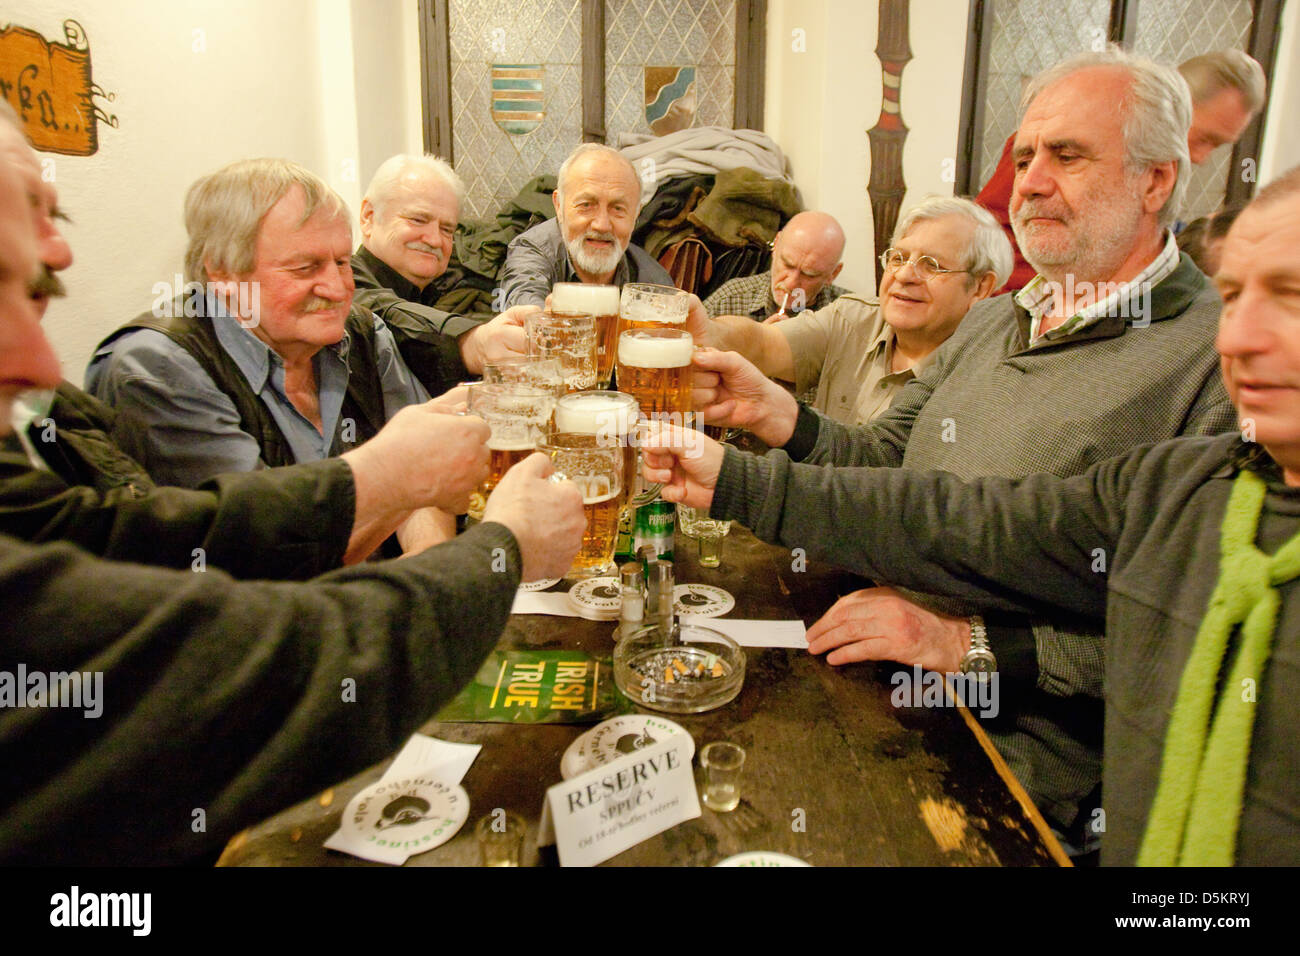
(646, 306)
(519, 415)
(598, 473)
(611, 417)
(654, 367)
(570, 339)
(600, 302)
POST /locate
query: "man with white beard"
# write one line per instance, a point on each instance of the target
(589, 240)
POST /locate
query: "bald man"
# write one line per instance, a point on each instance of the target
(806, 258)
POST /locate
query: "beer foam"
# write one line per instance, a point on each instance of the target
(647, 312)
(655, 351)
(510, 443)
(594, 415)
(577, 297)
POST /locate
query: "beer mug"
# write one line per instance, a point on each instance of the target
(598, 473)
(654, 367)
(519, 416)
(601, 302)
(570, 339)
(646, 306)
(611, 418)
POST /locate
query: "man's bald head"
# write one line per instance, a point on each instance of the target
(806, 258)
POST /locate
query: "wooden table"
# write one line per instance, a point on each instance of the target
(835, 774)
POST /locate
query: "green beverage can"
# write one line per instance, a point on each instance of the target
(656, 523)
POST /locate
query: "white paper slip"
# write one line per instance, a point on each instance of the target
(543, 602)
(755, 633)
(417, 799)
(603, 812)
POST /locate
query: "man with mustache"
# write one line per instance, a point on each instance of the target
(1110, 346)
(589, 240)
(264, 360)
(408, 219)
(63, 478)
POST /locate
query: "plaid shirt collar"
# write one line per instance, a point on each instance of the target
(1128, 300)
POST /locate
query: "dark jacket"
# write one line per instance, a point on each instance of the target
(282, 523)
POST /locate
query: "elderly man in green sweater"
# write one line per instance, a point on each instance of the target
(1198, 589)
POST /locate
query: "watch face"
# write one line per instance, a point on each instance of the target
(979, 662)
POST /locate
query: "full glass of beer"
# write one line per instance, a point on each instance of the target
(654, 367)
(600, 301)
(570, 339)
(609, 417)
(646, 306)
(598, 473)
(519, 416)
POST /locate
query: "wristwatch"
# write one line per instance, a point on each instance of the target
(979, 659)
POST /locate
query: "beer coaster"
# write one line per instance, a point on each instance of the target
(541, 585)
(615, 738)
(762, 858)
(410, 813)
(597, 599)
(702, 599)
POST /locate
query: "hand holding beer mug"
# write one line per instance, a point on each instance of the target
(570, 339)
(519, 416)
(598, 473)
(601, 302)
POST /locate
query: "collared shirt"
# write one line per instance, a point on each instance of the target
(1131, 299)
(537, 259)
(172, 418)
(752, 296)
(846, 350)
(390, 295)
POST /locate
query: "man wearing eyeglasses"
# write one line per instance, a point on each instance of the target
(858, 352)
(1110, 346)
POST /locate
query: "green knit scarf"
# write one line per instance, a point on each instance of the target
(1197, 807)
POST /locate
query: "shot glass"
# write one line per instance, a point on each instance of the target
(709, 532)
(722, 762)
(501, 838)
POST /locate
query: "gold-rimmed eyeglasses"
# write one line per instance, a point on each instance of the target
(926, 267)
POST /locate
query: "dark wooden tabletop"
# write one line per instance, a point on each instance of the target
(834, 773)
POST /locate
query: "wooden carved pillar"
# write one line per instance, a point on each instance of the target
(886, 187)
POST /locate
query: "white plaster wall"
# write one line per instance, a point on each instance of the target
(199, 84)
(821, 103)
(1280, 149)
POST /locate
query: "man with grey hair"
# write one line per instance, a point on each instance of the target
(597, 198)
(1227, 89)
(408, 219)
(1110, 346)
(264, 360)
(806, 256)
(859, 352)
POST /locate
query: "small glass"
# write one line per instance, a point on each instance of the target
(501, 838)
(709, 532)
(722, 763)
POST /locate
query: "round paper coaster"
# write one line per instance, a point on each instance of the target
(541, 585)
(617, 737)
(411, 813)
(597, 599)
(762, 858)
(702, 599)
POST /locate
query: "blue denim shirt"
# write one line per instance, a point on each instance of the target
(172, 418)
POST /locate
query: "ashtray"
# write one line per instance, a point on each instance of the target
(701, 670)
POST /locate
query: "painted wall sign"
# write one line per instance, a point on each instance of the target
(50, 86)
(670, 99)
(517, 96)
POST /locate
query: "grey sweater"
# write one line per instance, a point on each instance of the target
(1030, 546)
(991, 405)
(236, 699)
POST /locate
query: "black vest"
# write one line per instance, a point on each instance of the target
(363, 402)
